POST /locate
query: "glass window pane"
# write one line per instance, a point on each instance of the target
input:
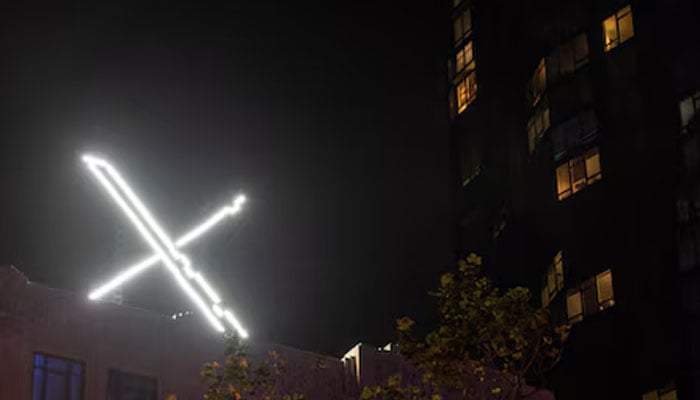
(545, 296)
(574, 307)
(462, 96)
(559, 271)
(38, 384)
(457, 26)
(578, 174)
(626, 27)
(588, 293)
(580, 44)
(56, 386)
(593, 165)
(669, 396)
(56, 364)
(551, 281)
(566, 54)
(605, 289)
(76, 387)
(687, 111)
(466, 21)
(460, 60)
(563, 181)
(653, 395)
(610, 33)
(39, 360)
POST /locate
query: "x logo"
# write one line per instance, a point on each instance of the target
(166, 251)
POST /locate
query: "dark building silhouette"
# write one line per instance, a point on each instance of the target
(574, 137)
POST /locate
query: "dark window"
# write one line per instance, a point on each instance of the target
(462, 26)
(689, 108)
(568, 57)
(590, 301)
(124, 386)
(57, 378)
(573, 135)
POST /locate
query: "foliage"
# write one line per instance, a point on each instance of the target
(394, 391)
(488, 340)
(240, 379)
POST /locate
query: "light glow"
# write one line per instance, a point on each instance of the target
(143, 265)
(166, 251)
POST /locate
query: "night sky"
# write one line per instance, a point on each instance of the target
(331, 117)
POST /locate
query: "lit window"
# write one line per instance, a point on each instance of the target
(574, 306)
(577, 173)
(465, 58)
(618, 28)
(554, 280)
(667, 393)
(568, 57)
(538, 82)
(653, 395)
(593, 295)
(124, 386)
(466, 92)
(57, 378)
(604, 285)
(462, 25)
(689, 109)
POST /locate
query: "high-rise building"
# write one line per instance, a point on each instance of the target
(574, 135)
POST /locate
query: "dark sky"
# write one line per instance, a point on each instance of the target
(330, 116)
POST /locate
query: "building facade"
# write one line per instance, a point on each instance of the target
(575, 157)
(58, 345)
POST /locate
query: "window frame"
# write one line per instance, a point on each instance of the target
(464, 13)
(541, 115)
(555, 274)
(595, 303)
(70, 364)
(694, 99)
(610, 44)
(586, 180)
(471, 88)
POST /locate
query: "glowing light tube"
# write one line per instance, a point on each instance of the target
(95, 165)
(236, 325)
(143, 265)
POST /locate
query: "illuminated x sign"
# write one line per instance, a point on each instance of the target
(166, 251)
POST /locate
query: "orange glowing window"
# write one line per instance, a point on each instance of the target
(465, 58)
(618, 28)
(604, 285)
(577, 173)
(538, 82)
(466, 92)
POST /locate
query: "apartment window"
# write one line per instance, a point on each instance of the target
(554, 280)
(465, 58)
(537, 125)
(618, 28)
(57, 378)
(577, 173)
(574, 306)
(466, 92)
(593, 295)
(574, 134)
(538, 82)
(462, 25)
(125, 386)
(689, 109)
(568, 57)
(667, 393)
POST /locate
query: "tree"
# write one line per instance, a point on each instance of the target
(488, 343)
(240, 379)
